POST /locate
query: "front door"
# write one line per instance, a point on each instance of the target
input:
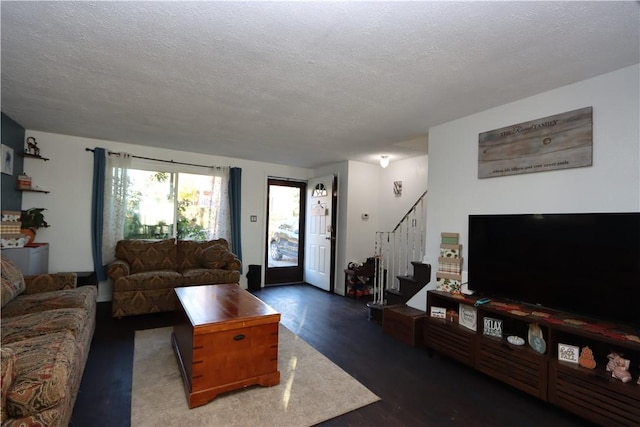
(285, 231)
(320, 246)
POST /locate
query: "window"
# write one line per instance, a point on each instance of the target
(175, 204)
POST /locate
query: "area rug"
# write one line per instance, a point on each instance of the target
(312, 389)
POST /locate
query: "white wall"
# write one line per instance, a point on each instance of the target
(413, 174)
(68, 175)
(362, 197)
(368, 188)
(612, 184)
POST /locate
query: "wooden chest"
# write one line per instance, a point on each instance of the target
(404, 323)
(225, 339)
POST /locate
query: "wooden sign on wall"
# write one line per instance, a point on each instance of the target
(561, 141)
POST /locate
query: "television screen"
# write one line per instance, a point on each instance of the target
(588, 264)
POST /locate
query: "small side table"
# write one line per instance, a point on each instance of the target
(86, 278)
(32, 259)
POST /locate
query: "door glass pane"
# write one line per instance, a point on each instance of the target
(283, 227)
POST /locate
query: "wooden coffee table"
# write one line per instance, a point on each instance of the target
(225, 338)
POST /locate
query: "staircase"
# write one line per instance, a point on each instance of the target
(400, 271)
(409, 285)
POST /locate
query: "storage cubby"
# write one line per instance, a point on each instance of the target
(590, 393)
(447, 335)
(594, 393)
(517, 365)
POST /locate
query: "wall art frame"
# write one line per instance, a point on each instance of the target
(561, 141)
(7, 160)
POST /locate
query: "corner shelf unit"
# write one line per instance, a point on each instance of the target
(590, 393)
(33, 190)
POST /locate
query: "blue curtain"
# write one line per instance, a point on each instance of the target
(97, 208)
(235, 202)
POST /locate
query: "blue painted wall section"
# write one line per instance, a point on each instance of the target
(12, 136)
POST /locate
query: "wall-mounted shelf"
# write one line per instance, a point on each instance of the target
(34, 190)
(32, 156)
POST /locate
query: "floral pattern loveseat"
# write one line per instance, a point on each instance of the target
(47, 327)
(145, 272)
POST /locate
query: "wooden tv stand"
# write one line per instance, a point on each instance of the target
(590, 393)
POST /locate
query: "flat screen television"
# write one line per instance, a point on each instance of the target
(585, 263)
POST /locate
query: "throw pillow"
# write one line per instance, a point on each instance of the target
(214, 257)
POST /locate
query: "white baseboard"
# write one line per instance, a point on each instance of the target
(104, 291)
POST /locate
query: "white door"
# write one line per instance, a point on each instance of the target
(317, 264)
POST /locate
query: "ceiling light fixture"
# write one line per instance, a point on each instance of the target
(384, 161)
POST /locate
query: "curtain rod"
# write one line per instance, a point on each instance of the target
(159, 160)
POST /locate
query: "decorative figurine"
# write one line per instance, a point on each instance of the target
(33, 146)
(618, 367)
(586, 359)
(536, 338)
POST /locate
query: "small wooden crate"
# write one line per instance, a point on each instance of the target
(404, 323)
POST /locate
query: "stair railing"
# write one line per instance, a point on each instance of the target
(396, 249)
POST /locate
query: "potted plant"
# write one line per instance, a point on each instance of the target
(31, 220)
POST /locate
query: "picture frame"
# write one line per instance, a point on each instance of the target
(438, 312)
(492, 327)
(568, 353)
(510, 151)
(7, 160)
(468, 316)
(397, 188)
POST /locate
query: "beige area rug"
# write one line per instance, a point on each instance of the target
(312, 389)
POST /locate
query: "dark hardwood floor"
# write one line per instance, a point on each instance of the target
(415, 390)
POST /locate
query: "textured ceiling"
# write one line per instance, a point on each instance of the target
(304, 84)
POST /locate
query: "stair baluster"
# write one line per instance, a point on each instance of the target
(398, 250)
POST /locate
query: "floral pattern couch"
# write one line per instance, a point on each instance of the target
(47, 327)
(145, 272)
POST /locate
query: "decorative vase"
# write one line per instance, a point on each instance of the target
(536, 338)
(31, 234)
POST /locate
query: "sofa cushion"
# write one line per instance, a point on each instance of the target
(206, 276)
(8, 369)
(145, 255)
(50, 282)
(127, 303)
(189, 252)
(148, 280)
(12, 281)
(26, 326)
(83, 297)
(44, 366)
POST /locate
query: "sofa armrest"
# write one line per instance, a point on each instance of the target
(8, 376)
(49, 282)
(233, 264)
(118, 268)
